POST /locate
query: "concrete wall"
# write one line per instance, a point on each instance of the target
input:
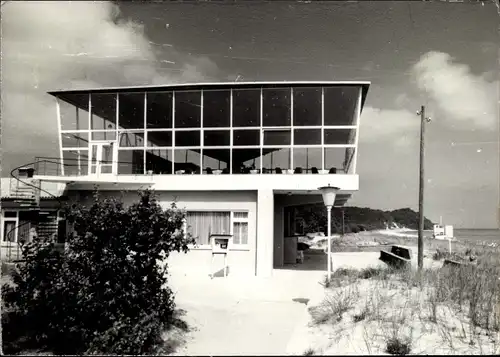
(241, 261)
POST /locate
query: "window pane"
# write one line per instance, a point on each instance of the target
(246, 107)
(187, 160)
(76, 163)
(75, 140)
(131, 110)
(9, 231)
(103, 135)
(340, 105)
(103, 111)
(10, 214)
(130, 162)
(277, 137)
(307, 136)
(74, 110)
(339, 136)
(203, 224)
(134, 139)
(159, 161)
(245, 160)
(159, 110)
(276, 107)
(188, 109)
(307, 106)
(216, 138)
(246, 137)
(240, 233)
(307, 159)
(240, 215)
(159, 138)
(187, 138)
(276, 159)
(216, 159)
(216, 108)
(336, 159)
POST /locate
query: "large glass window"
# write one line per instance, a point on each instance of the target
(188, 109)
(75, 140)
(216, 160)
(340, 105)
(246, 137)
(306, 106)
(159, 161)
(275, 160)
(132, 139)
(187, 161)
(277, 137)
(159, 110)
(103, 135)
(339, 136)
(246, 160)
(131, 110)
(130, 162)
(216, 107)
(276, 107)
(187, 138)
(216, 138)
(74, 111)
(103, 111)
(76, 162)
(240, 227)
(307, 160)
(307, 136)
(246, 107)
(201, 225)
(336, 159)
(159, 138)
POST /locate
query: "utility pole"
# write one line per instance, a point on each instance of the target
(423, 120)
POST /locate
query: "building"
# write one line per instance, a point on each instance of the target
(237, 156)
(29, 207)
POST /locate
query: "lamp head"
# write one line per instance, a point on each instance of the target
(328, 193)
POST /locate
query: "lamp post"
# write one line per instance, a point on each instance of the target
(329, 193)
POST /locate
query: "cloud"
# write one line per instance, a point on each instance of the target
(398, 126)
(467, 100)
(74, 44)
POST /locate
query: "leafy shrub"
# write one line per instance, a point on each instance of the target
(106, 293)
(395, 346)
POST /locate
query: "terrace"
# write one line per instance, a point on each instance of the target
(208, 129)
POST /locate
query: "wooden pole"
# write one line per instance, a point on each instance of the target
(423, 119)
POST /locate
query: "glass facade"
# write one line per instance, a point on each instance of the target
(269, 130)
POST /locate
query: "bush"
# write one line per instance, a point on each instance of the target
(398, 347)
(106, 293)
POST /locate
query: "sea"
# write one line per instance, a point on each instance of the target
(475, 235)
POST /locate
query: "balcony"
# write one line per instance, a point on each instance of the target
(77, 173)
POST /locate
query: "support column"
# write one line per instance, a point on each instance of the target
(265, 233)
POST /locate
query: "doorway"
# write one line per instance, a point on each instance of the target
(102, 160)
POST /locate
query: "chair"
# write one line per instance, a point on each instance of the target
(298, 170)
(333, 170)
(225, 171)
(188, 172)
(278, 170)
(314, 170)
(209, 171)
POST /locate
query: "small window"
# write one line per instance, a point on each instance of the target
(10, 214)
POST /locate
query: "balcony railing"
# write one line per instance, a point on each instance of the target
(49, 166)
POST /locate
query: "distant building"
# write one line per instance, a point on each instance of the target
(237, 156)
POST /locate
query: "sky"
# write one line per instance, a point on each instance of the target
(439, 54)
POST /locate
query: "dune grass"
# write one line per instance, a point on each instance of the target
(448, 310)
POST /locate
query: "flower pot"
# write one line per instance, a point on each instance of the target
(323, 172)
(217, 172)
(254, 172)
(289, 172)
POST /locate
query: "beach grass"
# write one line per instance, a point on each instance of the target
(449, 310)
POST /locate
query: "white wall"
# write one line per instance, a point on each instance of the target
(197, 260)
